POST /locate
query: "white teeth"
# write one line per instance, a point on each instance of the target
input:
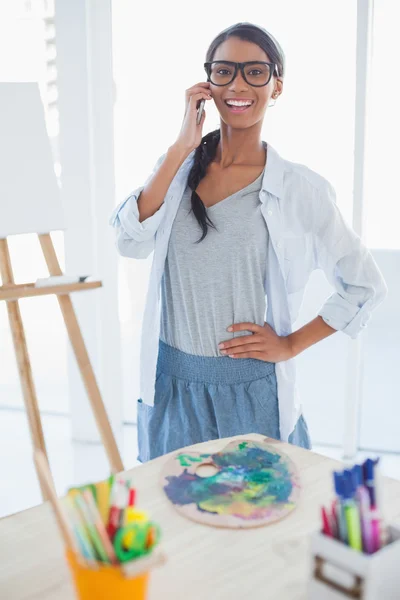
(238, 103)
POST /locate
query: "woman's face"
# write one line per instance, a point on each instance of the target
(237, 50)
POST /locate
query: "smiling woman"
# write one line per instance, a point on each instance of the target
(202, 296)
(239, 272)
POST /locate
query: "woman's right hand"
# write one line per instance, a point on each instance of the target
(191, 134)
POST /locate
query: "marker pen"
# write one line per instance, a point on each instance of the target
(340, 514)
(132, 495)
(351, 513)
(326, 527)
(363, 503)
(368, 474)
(118, 502)
(334, 520)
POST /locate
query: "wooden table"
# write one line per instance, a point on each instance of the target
(203, 563)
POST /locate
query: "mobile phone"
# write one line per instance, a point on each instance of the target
(200, 111)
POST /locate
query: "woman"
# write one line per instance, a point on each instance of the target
(237, 231)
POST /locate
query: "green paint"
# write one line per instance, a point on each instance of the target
(185, 460)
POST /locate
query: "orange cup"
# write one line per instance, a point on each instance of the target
(108, 581)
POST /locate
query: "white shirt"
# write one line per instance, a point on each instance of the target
(306, 232)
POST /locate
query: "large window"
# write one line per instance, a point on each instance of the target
(381, 388)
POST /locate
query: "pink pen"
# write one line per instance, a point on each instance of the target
(326, 525)
(376, 535)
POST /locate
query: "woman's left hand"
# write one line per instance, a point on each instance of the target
(263, 344)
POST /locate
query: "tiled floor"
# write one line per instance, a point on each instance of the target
(73, 464)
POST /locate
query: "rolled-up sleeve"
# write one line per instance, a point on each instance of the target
(134, 238)
(348, 266)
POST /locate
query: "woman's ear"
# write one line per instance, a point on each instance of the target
(278, 88)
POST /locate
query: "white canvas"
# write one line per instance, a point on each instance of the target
(30, 198)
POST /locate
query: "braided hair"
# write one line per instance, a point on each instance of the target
(207, 149)
(204, 154)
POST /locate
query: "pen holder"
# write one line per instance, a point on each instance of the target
(338, 572)
(105, 581)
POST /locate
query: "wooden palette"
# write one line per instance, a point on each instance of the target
(246, 484)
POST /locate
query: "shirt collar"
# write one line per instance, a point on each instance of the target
(273, 176)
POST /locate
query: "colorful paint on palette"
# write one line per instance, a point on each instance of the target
(254, 484)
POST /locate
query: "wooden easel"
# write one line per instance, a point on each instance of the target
(11, 293)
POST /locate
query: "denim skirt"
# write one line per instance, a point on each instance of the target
(201, 398)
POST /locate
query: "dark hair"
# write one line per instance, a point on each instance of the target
(207, 149)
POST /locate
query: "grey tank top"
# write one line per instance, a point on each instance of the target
(220, 281)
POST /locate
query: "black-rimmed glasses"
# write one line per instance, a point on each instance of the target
(255, 73)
